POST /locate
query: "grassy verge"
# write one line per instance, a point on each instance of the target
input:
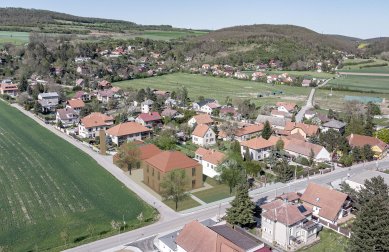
(217, 192)
(183, 205)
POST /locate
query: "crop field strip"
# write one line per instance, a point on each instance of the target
(47, 186)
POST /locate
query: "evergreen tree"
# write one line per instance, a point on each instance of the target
(267, 131)
(241, 212)
(23, 84)
(370, 230)
(235, 147)
(284, 171)
(375, 187)
(369, 126)
(368, 154)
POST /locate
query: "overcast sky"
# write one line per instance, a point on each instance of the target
(363, 19)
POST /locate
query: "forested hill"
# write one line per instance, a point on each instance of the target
(20, 19)
(263, 42)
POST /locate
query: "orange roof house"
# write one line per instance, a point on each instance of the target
(209, 159)
(378, 147)
(327, 204)
(203, 135)
(200, 119)
(75, 104)
(128, 131)
(91, 124)
(306, 130)
(157, 166)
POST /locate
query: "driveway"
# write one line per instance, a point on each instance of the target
(306, 107)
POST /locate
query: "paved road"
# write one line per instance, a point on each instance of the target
(213, 210)
(364, 74)
(166, 212)
(308, 106)
(324, 83)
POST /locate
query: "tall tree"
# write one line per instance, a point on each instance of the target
(231, 173)
(128, 156)
(267, 131)
(371, 226)
(241, 212)
(284, 171)
(174, 186)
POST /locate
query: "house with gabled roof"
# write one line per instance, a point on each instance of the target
(200, 119)
(334, 125)
(197, 105)
(299, 147)
(289, 225)
(156, 168)
(378, 147)
(287, 107)
(82, 95)
(9, 89)
(195, 237)
(91, 124)
(306, 130)
(150, 120)
(49, 101)
(104, 84)
(67, 117)
(258, 147)
(327, 204)
(210, 159)
(128, 131)
(75, 104)
(203, 135)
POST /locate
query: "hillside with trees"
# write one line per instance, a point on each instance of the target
(261, 43)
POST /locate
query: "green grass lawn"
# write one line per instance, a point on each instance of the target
(329, 242)
(48, 186)
(168, 35)
(219, 88)
(17, 38)
(379, 84)
(313, 74)
(218, 192)
(183, 205)
(360, 69)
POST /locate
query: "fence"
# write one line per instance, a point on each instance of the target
(343, 231)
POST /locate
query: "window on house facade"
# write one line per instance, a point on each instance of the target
(193, 171)
(159, 175)
(193, 183)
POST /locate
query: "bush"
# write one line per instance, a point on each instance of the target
(346, 160)
(302, 160)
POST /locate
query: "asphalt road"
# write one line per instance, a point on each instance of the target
(215, 209)
(307, 106)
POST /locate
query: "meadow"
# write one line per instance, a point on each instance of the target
(379, 84)
(167, 35)
(360, 64)
(17, 38)
(219, 88)
(52, 193)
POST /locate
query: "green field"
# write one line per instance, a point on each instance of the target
(49, 186)
(17, 38)
(219, 88)
(313, 74)
(379, 84)
(359, 68)
(329, 242)
(168, 35)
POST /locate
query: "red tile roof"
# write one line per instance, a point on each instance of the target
(76, 103)
(167, 161)
(260, 143)
(127, 128)
(148, 150)
(330, 201)
(149, 117)
(212, 156)
(195, 237)
(96, 119)
(286, 105)
(203, 119)
(250, 129)
(309, 129)
(300, 146)
(200, 130)
(283, 212)
(361, 140)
